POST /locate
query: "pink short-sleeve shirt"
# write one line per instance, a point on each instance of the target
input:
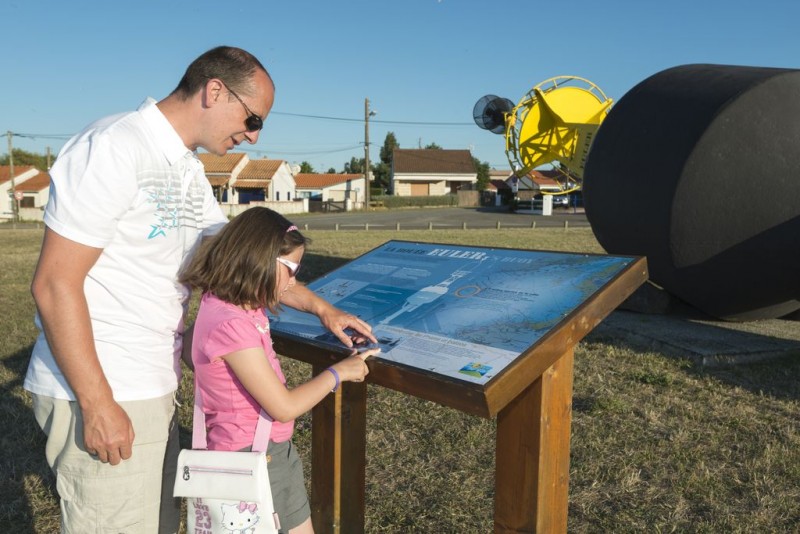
(231, 412)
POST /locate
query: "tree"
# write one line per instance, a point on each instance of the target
(306, 168)
(23, 157)
(389, 144)
(331, 170)
(354, 166)
(433, 146)
(483, 173)
(382, 170)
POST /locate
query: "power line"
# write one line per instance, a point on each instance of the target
(62, 137)
(301, 153)
(418, 123)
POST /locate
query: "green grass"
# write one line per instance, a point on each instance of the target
(658, 445)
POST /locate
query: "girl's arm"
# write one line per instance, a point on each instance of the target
(258, 377)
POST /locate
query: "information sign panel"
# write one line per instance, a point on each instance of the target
(458, 311)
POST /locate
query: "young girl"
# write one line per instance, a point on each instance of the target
(249, 266)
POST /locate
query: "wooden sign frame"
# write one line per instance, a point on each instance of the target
(531, 398)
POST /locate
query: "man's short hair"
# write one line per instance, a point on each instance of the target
(234, 66)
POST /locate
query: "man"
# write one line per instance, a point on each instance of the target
(129, 203)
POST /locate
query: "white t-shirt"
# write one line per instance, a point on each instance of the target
(128, 184)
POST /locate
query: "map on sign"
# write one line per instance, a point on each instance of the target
(460, 311)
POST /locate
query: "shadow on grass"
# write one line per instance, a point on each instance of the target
(27, 488)
(762, 357)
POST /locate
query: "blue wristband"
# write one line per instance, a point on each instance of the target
(335, 376)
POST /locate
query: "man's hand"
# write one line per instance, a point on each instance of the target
(108, 432)
(338, 322)
(332, 318)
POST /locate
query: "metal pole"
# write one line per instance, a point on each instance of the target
(14, 202)
(366, 153)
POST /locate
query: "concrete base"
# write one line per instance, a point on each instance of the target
(706, 342)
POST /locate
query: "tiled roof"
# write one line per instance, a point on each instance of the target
(5, 171)
(547, 173)
(257, 174)
(307, 181)
(226, 163)
(255, 183)
(35, 184)
(218, 180)
(544, 178)
(260, 168)
(433, 161)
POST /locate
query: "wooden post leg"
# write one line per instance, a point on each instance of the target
(338, 458)
(532, 463)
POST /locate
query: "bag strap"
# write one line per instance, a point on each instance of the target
(199, 438)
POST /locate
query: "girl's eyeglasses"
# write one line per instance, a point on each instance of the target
(253, 122)
(293, 267)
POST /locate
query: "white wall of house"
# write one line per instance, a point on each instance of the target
(308, 192)
(287, 207)
(31, 214)
(40, 198)
(282, 186)
(350, 190)
(406, 185)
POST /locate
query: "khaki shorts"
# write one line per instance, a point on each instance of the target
(288, 485)
(132, 497)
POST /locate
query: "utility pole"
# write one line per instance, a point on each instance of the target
(366, 153)
(367, 115)
(14, 201)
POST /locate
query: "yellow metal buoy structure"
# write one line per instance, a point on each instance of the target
(554, 123)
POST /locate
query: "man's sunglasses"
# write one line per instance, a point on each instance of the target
(293, 267)
(253, 122)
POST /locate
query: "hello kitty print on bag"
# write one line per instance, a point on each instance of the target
(240, 519)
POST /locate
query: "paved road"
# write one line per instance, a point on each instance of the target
(437, 218)
(422, 218)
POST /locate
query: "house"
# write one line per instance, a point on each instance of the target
(35, 191)
(265, 179)
(220, 170)
(535, 183)
(333, 187)
(236, 179)
(22, 173)
(499, 180)
(544, 181)
(423, 172)
(497, 188)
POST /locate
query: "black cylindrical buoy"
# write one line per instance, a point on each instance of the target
(698, 168)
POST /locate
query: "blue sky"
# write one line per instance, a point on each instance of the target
(67, 63)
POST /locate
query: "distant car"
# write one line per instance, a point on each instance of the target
(560, 201)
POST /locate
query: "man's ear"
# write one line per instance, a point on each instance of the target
(212, 92)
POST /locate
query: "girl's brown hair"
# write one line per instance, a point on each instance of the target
(238, 264)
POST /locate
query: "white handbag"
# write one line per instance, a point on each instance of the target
(226, 492)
